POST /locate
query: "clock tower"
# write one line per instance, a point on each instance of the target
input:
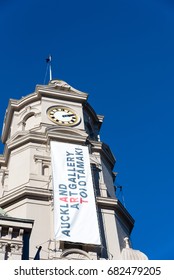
(57, 191)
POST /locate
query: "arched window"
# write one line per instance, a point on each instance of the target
(28, 121)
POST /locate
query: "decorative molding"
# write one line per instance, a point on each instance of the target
(98, 119)
(57, 90)
(120, 211)
(25, 192)
(67, 134)
(11, 237)
(75, 254)
(104, 150)
(16, 248)
(3, 246)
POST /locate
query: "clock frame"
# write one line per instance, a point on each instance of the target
(63, 115)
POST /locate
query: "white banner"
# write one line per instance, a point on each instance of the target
(75, 217)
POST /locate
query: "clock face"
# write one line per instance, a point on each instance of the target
(63, 116)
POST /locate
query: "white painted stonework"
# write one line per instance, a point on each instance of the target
(26, 190)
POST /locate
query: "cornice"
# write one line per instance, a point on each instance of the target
(27, 224)
(20, 140)
(97, 118)
(57, 94)
(63, 86)
(23, 192)
(104, 150)
(67, 134)
(120, 211)
(68, 138)
(16, 105)
(2, 160)
(50, 91)
(23, 138)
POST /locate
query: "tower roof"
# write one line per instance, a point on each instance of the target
(130, 254)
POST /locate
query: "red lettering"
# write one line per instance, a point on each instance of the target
(65, 199)
(81, 200)
(72, 199)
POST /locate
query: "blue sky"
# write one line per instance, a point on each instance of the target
(121, 52)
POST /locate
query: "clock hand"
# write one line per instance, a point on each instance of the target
(70, 115)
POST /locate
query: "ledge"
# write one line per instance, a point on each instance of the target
(120, 211)
(25, 192)
(16, 222)
(104, 149)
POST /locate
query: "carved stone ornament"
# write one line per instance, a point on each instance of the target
(16, 248)
(75, 254)
(60, 83)
(3, 246)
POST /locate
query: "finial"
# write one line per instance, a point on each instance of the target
(127, 242)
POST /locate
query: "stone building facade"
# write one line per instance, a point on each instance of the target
(26, 189)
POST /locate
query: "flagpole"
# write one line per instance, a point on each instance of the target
(48, 60)
(50, 72)
(50, 68)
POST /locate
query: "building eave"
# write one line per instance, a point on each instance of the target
(16, 222)
(48, 91)
(97, 118)
(104, 150)
(120, 211)
(25, 192)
